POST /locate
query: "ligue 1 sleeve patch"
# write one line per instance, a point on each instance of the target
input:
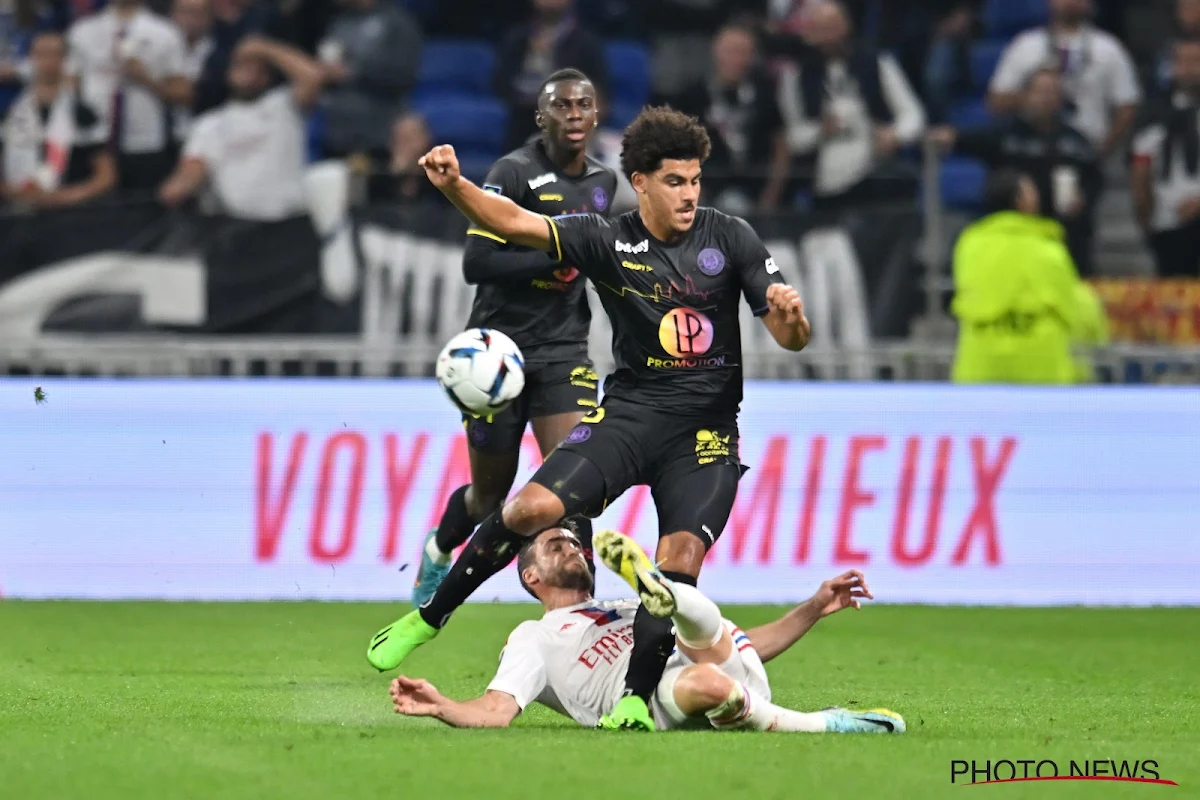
(487, 187)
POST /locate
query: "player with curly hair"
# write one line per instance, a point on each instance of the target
(669, 275)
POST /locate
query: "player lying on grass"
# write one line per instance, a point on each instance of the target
(574, 658)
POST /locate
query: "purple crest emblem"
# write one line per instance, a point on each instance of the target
(479, 432)
(599, 198)
(711, 261)
(581, 434)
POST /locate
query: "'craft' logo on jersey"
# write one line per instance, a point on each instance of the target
(542, 180)
(711, 261)
(637, 267)
(599, 198)
(684, 332)
(549, 197)
(633, 249)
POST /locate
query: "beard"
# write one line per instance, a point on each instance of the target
(574, 578)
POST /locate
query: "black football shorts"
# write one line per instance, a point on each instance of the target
(554, 388)
(691, 465)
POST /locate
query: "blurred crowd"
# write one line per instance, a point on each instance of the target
(811, 104)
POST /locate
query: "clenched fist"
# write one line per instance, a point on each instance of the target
(785, 317)
(786, 300)
(440, 165)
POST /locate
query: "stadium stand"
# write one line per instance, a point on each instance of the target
(456, 66)
(454, 95)
(1006, 18)
(629, 70)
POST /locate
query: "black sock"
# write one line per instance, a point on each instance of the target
(584, 525)
(491, 549)
(456, 524)
(653, 641)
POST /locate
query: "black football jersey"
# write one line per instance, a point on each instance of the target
(547, 316)
(673, 307)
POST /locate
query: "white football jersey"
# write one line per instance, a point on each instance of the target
(573, 659)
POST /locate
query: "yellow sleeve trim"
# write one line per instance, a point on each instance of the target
(485, 234)
(557, 240)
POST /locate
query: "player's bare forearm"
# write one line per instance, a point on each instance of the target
(790, 333)
(777, 637)
(499, 215)
(493, 710)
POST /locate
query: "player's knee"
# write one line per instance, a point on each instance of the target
(481, 502)
(534, 509)
(701, 688)
(682, 551)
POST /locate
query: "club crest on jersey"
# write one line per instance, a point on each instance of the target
(479, 433)
(711, 261)
(542, 180)
(487, 187)
(641, 247)
(599, 198)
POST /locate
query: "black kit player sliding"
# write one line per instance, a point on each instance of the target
(670, 276)
(541, 303)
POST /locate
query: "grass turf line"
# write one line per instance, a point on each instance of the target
(132, 700)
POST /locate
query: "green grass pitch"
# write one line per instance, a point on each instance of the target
(133, 700)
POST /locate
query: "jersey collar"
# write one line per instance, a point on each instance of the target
(589, 169)
(569, 609)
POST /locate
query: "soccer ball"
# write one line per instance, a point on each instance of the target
(481, 370)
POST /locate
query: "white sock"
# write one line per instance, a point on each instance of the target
(745, 709)
(435, 554)
(697, 619)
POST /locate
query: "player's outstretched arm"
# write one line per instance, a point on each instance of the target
(489, 211)
(845, 591)
(415, 697)
(785, 317)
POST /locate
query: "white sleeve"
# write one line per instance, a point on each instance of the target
(522, 670)
(907, 111)
(1018, 61)
(803, 134)
(74, 67)
(204, 142)
(1123, 87)
(174, 65)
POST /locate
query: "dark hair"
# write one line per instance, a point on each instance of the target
(525, 555)
(562, 75)
(743, 22)
(658, 133)
(1000, 193)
